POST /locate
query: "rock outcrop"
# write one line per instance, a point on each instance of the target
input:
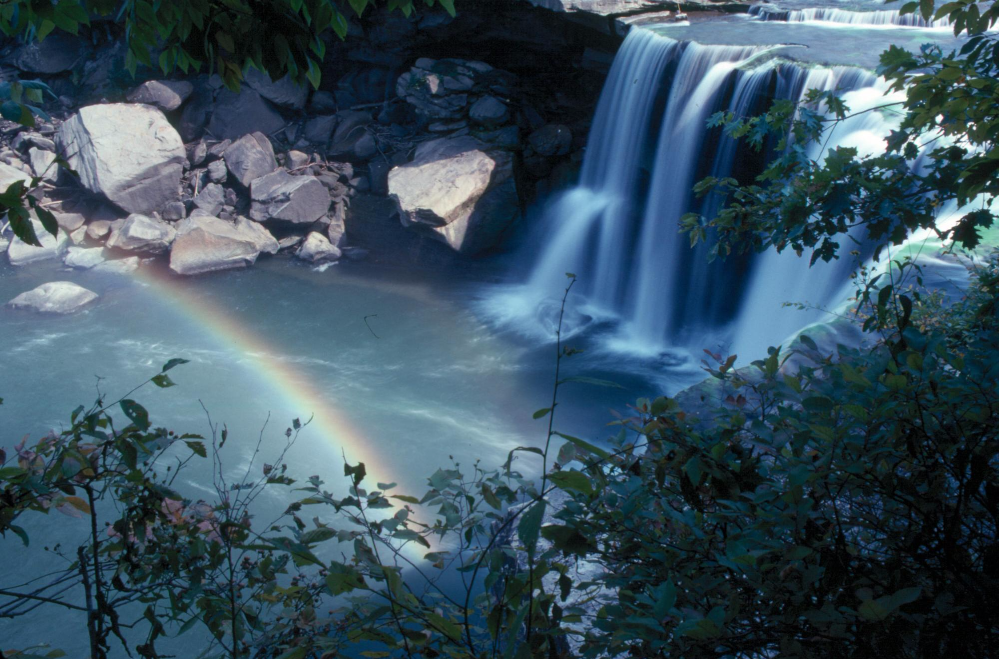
(60, 297)
(139, 233)
(21, 253)
(206, 244)
(127, 152)
(460, 192)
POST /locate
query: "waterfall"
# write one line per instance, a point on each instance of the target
(877, 18)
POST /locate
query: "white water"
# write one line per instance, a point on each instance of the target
(832, 15)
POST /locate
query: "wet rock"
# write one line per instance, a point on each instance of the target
(551, 140)
(83, 257)
(59, 297)
(250, 157)
(21, 253)
(284, 92)
(235, 115)
(118, 266)
(129, 153)
(355, 253)
(458, 192)
(207, 244)
(141, 233)
(167, 95)
(281, 196)
(317, 249)
(489, 111)
(211, 199)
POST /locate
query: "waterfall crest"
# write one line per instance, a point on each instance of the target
(880, 17)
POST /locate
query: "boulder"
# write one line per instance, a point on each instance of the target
(10, 174)
(62, 297)
(318, 130)
(551, 140)
(175, 210)
(43, 164)
(68, 220)
(217, 171)
(296, 159)
(83, 257)
(118, 266)
(235, 115)
(139, 233)
(459, 192)
(284, 92)
(59, 52)
(128, 152)
(206, 244)
(250, 157)
(365, 148)
(21, 253)
(489, 111)
(281, 196)
(167, 95)
(317, 249)
(99, 229)
(25, 140)
(211, 199)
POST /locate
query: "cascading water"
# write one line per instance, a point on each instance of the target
(876, 18)
(618, 230)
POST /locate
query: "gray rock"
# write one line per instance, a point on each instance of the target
(489, 111)
(281, 196)
(175, 210)
(140, 233)
(10, 174)
(289, 242)
(25, 140)
(250, 157)
(211, 199)
(239, 114)
(216, 150)
(365, 148)
(296, 159)
(59, 52)
(21, 253)
(196, 111)
(507, 137)
(60, 297)
(83, 257)
(458, 192)
(217, 171)
(128, 152)
(43, 164)
(68, 220)
(318, 130)
(317, 249)
(551, 140)
(167, 95)
(99, 229)
(336, 228)
(322, 103)
(284, 92)
(206, 244)
(349, 129)
(118, 266)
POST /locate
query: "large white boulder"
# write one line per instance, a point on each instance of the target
(21, 253)
(139, 233)
(205, 244)
(281, 196)
(462, 194)
(54, 297)
(128, 152)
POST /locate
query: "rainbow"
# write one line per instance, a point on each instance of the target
(298, 393)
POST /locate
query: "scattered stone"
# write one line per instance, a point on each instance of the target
(25, 140)
(365, 148)
(216, 150)
(68, 220)
(175, 210)
(250, 157)
(83, 257)
(489, 111)
(129, 153)
(336, 228)
(10, 174)
(198, 154)
(77, 237)
(43, 164)
(167, 95)
(318, 130)
(239, 114)
(289, 242)
(217, 171)
(140, 233)
(317, 249)
(119, 266)
(551, 140)
(21, 253)
(458, 192)
(296, 159)
(230, 197)
(281, 196)
(61, 297)
(206, 244)
(284, 92)
(99, 229)
(211, 199)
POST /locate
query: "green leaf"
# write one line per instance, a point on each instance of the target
(586, 446)
(136, 413)
(572, 480)
(318, 535)
(529, 528)
(173, 362)
(594, 381)
(542, 412)
(162, 381)
(198, 448)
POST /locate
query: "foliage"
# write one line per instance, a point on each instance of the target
(942, 153)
